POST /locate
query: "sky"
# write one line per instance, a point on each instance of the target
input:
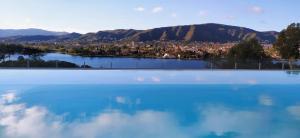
(94, 15)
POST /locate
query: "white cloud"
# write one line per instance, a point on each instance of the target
(37, 122)
(17, 120)
(9, 97)
(257, 9)
(155, 79)
(294, 111)
(34, 122)
(140, 79)
(121, 100)
(221, 120)
(203, 13)
(174, 15)
(140, 9)
(157, 9)
(141, 125)
(200, 78)
(252, 81)
(265, 100)
(8, 109)
(127, 101)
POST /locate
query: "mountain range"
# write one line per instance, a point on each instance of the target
(202, 33)
(28, 32)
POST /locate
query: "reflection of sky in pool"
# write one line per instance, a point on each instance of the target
(149, 104)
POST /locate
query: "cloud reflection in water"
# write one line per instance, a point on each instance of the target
(20, 121)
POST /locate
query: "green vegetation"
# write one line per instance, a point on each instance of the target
(288, 43)
(247, 50)
(248, 54)
(9, 49)
(38, 63)
(18, 49)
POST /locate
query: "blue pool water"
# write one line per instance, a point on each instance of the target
(149, 104)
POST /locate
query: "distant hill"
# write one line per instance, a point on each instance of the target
(112, 35)
(202, 33)
(42, 38)
(28, 32)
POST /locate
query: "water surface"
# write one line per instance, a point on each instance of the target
(115, 62)
(149, 104)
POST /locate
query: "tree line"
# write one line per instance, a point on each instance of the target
(6, 50)
(287, 46)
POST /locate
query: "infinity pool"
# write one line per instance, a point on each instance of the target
(149, 104)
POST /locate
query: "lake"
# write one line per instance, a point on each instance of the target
(108, 62)
(151, 63)
(149, 104)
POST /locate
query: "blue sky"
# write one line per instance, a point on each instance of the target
(94, 15)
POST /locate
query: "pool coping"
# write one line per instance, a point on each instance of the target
(147, 69)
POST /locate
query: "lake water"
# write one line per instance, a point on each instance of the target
(148, 63)
(149, 104)
(107, 62)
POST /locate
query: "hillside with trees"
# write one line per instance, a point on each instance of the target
(215, 33)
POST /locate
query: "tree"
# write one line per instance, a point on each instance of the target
(288, 43)
(2, 57)
(247, 50)
(21, 58)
